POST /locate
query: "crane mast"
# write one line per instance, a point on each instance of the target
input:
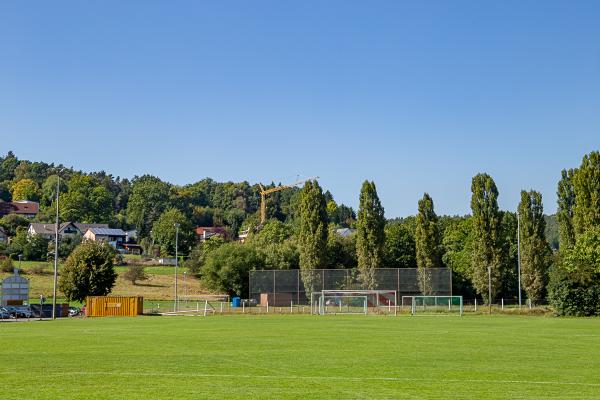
(264, 192)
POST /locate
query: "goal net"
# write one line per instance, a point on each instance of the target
(433, 304)
(353, 302)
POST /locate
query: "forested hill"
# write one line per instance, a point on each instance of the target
(98, 197)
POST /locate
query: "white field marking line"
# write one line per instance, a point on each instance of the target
(321, 378)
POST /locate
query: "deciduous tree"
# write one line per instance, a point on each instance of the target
(427, 241)
(88, 271)
(25, 189)
(564, 213)
(535, 251)
(399, 248)
(163, 232)
(313, 232)
(149, 199)
(487, 247)
(370, 237)
(586, 186)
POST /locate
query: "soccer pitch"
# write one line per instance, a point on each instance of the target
(301, 356)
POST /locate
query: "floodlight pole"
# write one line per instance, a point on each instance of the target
(176, 305)
(490, 288)
(519, 253)
(185, 286)
(55, 251)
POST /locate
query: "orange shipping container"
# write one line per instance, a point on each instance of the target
(114, 306)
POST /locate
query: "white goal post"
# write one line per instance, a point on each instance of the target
(433, 304)
(353, 301)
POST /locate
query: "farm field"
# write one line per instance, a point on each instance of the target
(302, 356)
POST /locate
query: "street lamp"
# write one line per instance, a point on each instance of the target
(176, 305)
(55, 251)
(519, 253)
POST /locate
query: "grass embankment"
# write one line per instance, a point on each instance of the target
(283, 356)
(159, 286)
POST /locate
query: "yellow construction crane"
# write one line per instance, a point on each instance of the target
(264, 192)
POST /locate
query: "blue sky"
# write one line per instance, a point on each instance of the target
(417, 96)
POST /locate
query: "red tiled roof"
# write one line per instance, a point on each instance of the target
(19, 207)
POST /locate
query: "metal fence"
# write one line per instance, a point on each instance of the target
(280, 287)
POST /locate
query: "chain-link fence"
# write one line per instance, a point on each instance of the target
(282, 287)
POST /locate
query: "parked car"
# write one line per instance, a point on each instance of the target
(74, 311)
(19, 311)
(4, 313)
(23, 312)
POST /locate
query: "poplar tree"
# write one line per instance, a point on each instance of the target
(313, 233)
(564, 213)
(535, 251)
(586, 186)
(487, 246)
(427, 241)
(370, 236)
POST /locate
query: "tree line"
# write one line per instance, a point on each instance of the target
(560, 255)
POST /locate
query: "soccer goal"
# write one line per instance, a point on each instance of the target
(353, 302)
(434, 304)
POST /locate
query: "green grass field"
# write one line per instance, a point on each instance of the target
(293, 356)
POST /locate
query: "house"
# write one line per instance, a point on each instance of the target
(44, 230)
(345, 232)
(112, 236)
(82, 228)
(3, 235)
(25, 208)
(206, 232)
(65, 229)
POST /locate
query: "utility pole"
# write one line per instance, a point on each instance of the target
(55, 251)
(519, 253)
(176, 305)
(490, 289)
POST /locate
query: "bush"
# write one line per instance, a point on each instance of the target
(135, 273)
(570, 296)
(88, 271)
(6, 264)
(574, 287)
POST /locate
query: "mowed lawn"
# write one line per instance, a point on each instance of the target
(302, 356)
